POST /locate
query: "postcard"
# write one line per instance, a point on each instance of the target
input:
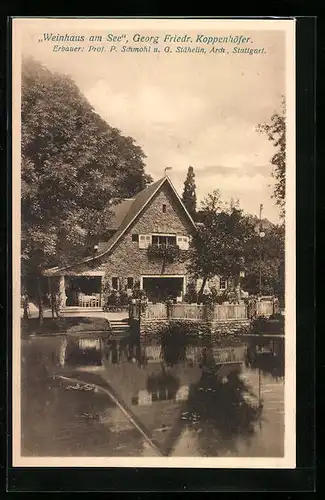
(153, 242)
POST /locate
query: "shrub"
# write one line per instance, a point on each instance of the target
(117, 299)
(191, 295)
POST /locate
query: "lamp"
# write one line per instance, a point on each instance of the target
(261, 235)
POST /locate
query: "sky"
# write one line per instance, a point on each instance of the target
(188, 109)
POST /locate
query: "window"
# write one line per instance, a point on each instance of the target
(129, 282)
(115, 283)
(164, 208)
(223, 284)
(163, 241)
(135, 237)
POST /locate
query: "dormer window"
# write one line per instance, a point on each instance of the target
(164, 208)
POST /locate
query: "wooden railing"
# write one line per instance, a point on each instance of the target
(230, 311)
(187, 311)
(196, 312)
(156, 311)
(265, 308)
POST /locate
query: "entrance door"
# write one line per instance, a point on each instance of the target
(160, 289)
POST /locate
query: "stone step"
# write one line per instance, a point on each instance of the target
(121, 330)
(76, 309)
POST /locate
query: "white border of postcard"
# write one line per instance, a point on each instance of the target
(289, 459)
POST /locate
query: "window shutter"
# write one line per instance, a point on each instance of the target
(182, 242)
(179, 241)
(148, 240)
(144, 240)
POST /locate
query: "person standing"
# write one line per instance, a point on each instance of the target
(26, 305)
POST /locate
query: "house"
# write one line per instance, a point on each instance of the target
(144, 247)
(146, 237)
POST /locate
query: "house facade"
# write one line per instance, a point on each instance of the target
(160, 223)
(145, 248)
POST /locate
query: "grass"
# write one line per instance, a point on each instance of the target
(64, 325)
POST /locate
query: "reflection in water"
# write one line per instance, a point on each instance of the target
(267, 356)
(197, 400)
(227, 406)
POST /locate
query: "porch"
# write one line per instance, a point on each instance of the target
(76, 292)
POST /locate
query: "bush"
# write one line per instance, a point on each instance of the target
(117, 299)
(191, 295)
(182, 331)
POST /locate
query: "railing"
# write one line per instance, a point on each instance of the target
(156, 311)
(195, 312)
(187, 311)
(265, 308)
(230, 311)
(184, 311)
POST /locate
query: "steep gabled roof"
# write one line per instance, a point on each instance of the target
(120, 210)
(138, 204)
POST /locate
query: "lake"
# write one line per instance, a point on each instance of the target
(97, 403)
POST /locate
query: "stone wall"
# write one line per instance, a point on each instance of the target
(152, 330)
(230, 327)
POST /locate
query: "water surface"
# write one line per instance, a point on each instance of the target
(180, 408)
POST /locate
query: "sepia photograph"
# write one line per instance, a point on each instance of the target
(153, 242)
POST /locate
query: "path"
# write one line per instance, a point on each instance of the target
(81, 313)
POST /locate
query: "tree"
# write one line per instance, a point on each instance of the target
(267, 252)
(275, 131)
(72, 164)
(228, 242)
(189, 193)
(221, 242)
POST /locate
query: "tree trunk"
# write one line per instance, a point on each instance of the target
(199, 295)
(26, 311)
(237, 287)
(53, 305)
(52, 298)
(40, 301)
(163, 267)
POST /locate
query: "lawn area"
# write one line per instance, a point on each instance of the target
(64, 325)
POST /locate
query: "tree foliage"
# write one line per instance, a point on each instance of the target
(72, 164)
(275, 131)
(189, 193)
(228, 242)
(266, 256)
(221, 241)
